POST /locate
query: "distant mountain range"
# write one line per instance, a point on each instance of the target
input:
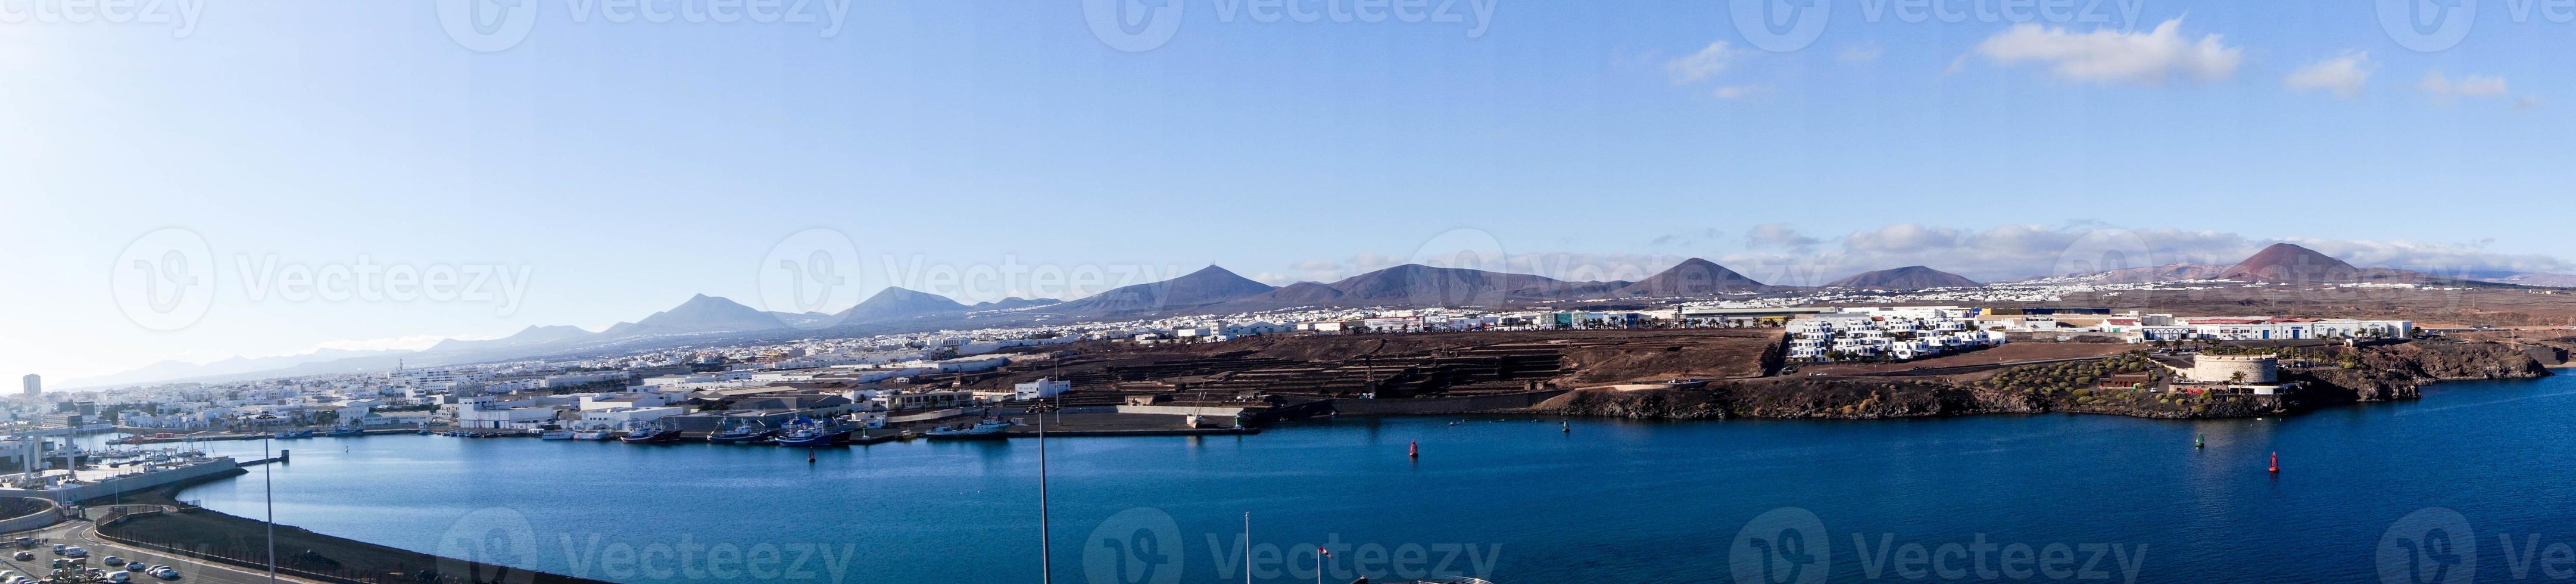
(1207, 287)
(2537, 279)
(1212, 290)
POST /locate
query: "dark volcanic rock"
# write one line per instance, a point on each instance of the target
(1693, 277)
(1905, 278)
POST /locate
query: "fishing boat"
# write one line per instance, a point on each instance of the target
(988, 428)
(344, 431)
(597, 434)
(555, 435)
(808, 432)
(649, 434)
(740, 433)
(292, 434)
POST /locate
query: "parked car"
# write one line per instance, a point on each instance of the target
(24, 556)
(115, 561)
(135, 567)
(75, 552)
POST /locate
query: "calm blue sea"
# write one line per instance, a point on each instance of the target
(2036, 498)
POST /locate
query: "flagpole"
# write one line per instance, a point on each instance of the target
(1247, 547)
(1046, 554)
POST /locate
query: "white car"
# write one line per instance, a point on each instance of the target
(115, 561)
(166, 574)
(75, 552)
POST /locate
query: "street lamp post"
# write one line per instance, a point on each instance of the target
(267, 472)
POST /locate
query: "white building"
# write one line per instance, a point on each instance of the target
(1044, 387)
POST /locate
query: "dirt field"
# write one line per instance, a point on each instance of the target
(1428, 363)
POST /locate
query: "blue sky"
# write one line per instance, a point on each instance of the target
(626, 166)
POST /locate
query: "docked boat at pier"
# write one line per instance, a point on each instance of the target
(653, 433)
(804, 431)
(988, 428)
(740, 433)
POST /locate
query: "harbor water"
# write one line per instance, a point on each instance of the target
(1514, 500)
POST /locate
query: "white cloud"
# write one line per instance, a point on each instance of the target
(2109, 56)
(1778, 236)
(1706, 63)
(1739, 91)
(2443, 90)
(2344, 74)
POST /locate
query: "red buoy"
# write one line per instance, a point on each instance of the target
(1416, 450)
(2276, 462)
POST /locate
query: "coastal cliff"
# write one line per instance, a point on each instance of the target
(2343, 375)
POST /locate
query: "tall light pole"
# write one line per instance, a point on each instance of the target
(1046, 554)
(267, 474)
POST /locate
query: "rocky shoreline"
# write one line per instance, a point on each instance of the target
(2343, 376)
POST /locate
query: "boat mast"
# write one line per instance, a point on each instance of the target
(1046, 554)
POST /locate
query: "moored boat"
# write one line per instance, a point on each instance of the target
(555, 435)
(344, 431)
(988, 428)
(591, 435)
(649, 434)
(740, 433)
(808, 432)
(292, 434)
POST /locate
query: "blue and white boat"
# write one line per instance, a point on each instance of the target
(740, 433)
(555, 435)
(292, 434)
(804, 431)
